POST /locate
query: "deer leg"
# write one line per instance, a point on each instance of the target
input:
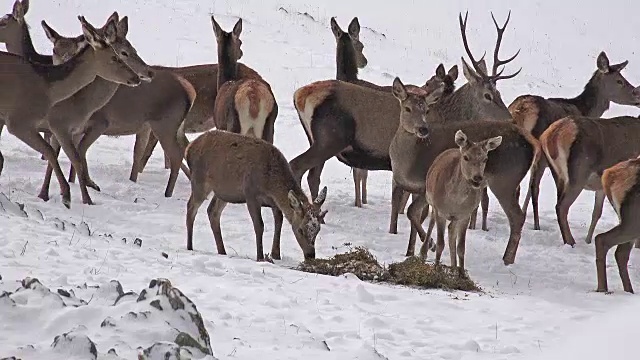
(534, 188)
(424, 249)
(414, 213)
(485, 208)
(364, 176)
(171, 147)
(64, 138)
(620, 234)
(196, 199)
(566, 198)
(473, 219)
(461, 235)
(275, 246)
(357, 180)
(440, 229)
(148, 151)
(215, 214)
(72, 171)
(322, 149)
(396, 198)
(32, 138)
(595, 216)
(142, 139)
(313, 179)
(46, 182)
(91, 134)
(47, 138)
(623, 251)
(451, 232)
(258, 226)
(505, 192)
(403, 202)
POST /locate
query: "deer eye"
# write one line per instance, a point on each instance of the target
(465, 158)
(407, 109)
(488, 97)
(124, 53)
(619, 82)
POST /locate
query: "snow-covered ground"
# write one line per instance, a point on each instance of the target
(543, 306)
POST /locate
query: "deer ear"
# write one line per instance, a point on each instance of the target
(440, 72)
(90, 34)
(217, 30)
(111, 32)
(237, 28)
(469, 73)
(453, 72)
(603, 62)
(113, 18)
(461, 139)
(435, 95)
(294, 202)
(52, 35)
(322, 196)
(354, 28)
(398, 90)
(493, 143)
(19, 10)
(335, 28)
(123, 27)
(619, 67)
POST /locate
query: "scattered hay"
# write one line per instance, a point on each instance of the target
(410, 272)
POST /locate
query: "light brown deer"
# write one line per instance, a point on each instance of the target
(477, 100)
(418, 142)
(621, 184)
(454, 188)
(160, 105)
(536, 114)
(30, 90)
(241, 169)
(578, 150)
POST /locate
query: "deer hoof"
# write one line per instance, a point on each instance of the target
(44, 196)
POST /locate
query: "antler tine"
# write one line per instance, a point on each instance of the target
(500, 77)
(496, 60)
(463, 30)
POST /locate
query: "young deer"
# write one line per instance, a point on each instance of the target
(536, 114)
(621, 183)
(417, 143)
(160, 105)
(455, 184)
(242, 169)
(578, 150)
(31, 89)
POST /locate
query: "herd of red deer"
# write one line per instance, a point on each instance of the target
(445, 146)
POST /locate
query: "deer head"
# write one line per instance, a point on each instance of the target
(474, 156)
(11, 25)
(306, 220)
(414, 107)
(229, 43)
(350, 39)
(610, 80)
(115, 34)
(441, 78)
(484, 97)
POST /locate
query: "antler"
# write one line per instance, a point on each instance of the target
(495, 74)
(463, 30)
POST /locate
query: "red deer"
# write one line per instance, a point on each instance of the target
(621, 184)
(32, 89)
(578, 150)
(536, 114)
(242, 169)
(160, 105)
(454, 187)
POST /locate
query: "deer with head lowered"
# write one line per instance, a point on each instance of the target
(578, 150)
(31, 90)
(621, 184)
(454, 186)
(536, 114)
(477, 100)
(160, 105)
(243, 169)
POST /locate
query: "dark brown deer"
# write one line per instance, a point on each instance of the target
(160, 105)
(621, 184)
(536, 114)
(477, 100)
(242, 169)
(578, 150)
(31, 89)
(455, 184)
(417, 143)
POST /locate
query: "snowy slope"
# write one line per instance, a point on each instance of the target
(250, 309)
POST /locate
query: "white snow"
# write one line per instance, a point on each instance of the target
(542, 307)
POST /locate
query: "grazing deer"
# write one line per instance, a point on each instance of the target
(536, 114)
(418, 142)
(31, 89)
(579, 149)
(243, 169)
(160, 105)
(477, 100)
(454, 188)
(621, 184)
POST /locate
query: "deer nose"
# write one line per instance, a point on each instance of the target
(148, 76)
(310, 255)
(477, 178)
(423, 131)
(134, 81)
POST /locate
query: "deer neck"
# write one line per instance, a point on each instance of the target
(66, 79)
(227, 68)
(22, 45)
(453, 107)
(591, 101)
(346, 67)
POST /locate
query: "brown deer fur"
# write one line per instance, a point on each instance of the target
(622, 188)
(242, 169)
(579, 149)
(536, 114)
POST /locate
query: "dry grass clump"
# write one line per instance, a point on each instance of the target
(410, 272)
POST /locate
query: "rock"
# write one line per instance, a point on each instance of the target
(10, 207)
(164, 350)
(75, 345)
